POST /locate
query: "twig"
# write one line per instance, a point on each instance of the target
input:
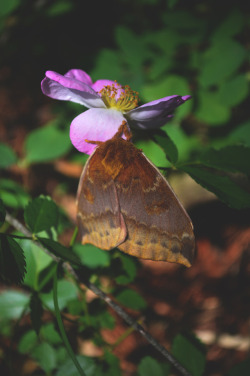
(80, 277)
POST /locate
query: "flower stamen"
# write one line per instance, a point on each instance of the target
(121, 98)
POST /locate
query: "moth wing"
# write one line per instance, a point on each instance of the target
(99, 217)
(158, 226)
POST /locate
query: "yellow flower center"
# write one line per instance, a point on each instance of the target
(126, 101)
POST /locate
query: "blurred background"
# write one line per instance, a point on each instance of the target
(158, 48)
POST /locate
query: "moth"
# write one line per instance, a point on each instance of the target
(124, 201)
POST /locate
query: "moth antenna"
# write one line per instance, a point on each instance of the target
(94, 142)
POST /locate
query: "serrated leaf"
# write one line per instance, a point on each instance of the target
(189, 355)
(59, 250)
(41, 214)
(220, 184)
(91, 256)
(149, 366)
(2, 213)
(7, 156)
(47, 143)
(36, 312)
(230, 158)
(12, 260)
(131, 299)
(36, 261)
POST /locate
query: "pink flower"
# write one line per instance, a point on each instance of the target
(108, 105)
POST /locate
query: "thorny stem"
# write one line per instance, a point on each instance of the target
(129, 320)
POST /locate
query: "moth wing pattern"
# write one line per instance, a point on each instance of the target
(99, 218)
(158, 226)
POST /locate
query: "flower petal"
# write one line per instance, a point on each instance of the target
(156, 113)
(95, 124)
(99, 84)
(79, 75)
(56, 86)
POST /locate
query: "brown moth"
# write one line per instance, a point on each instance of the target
(124, 201)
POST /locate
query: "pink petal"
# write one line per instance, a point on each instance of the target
(79, 75)
(60, 87)
(99, 84)
(95, 124)
(156, 113)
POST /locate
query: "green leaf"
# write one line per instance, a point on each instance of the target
(92, 256)
(131, 46)
(153, 152)
(67, 291)
(230, 158)
(230, 26)
(87, 364)
(27, 342)
(41, 214)
(59, 250)
(220, 184)
(189, 355)
(113, 364)
(12, 194)
(103, 68)
(47, 143)
(149, 366)
(233, 91)
(50, 335)
(129, 269)
(168, 146)
(241, 134)
(210, 110)
(12, 261)
(36, 312)
(36, 261)
(131, 299)
(7, 156)
(45, 355)
(7, 7)
(12, 304)
(220, 61)
(2, 213)
(59, 8)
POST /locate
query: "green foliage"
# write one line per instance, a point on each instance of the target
(189, 48)
(12, 261)
(47, 143)
(7, 156)
(149, 366)
(12, 194)
(131, 299)
(41, 214)
(190, 354)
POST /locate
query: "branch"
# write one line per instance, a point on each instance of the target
(120, 311)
